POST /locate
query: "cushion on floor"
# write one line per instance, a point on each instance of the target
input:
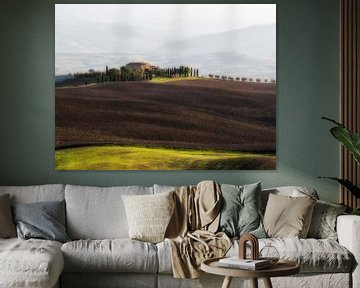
(117, 255)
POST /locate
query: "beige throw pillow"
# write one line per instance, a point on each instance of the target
(288, 217)
(148, 215)
(7, 226)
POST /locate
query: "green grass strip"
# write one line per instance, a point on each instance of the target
(116, 157)
(160, 80)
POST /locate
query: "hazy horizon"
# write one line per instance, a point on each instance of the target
(92, 36)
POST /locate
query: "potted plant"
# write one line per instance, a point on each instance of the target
(351, 141)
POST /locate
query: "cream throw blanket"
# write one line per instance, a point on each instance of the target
(191, 231)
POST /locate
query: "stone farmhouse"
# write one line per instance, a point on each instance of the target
(141, 66)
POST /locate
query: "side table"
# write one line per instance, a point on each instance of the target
(281, 268)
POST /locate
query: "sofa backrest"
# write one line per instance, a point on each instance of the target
(293, 191)
(98, 212)
(36, 193)
(163, 188)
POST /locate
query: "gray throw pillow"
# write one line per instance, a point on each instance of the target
(240, 213)
(44, 220)
(323, 222)
(7, 227)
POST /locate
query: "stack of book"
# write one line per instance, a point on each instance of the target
(248, 264)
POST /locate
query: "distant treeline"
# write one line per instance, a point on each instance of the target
(146, 72)
(244, 79)
(132, 74)
(181, 71)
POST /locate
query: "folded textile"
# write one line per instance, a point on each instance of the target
(191, 231)
(190, 251)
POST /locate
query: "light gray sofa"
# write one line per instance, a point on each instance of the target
(101, 255)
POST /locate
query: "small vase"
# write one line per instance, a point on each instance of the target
(270, 253)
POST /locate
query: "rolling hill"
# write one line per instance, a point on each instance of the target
(201, 114)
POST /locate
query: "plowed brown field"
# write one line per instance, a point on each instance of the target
(197, 114)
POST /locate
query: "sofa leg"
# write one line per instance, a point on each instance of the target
(254, 282)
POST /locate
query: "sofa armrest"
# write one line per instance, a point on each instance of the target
(348, 230)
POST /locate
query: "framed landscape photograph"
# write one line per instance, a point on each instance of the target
(165, 86)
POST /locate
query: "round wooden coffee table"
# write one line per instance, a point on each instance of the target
(281, 268)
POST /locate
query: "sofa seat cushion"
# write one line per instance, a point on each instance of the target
(313, 255)
(30, 263)
(115, 255)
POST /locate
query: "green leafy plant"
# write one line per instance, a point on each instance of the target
(351, 141)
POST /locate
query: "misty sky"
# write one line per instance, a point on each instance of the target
(139, 28)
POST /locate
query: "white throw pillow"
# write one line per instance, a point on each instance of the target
(149, 215)
(323, 223)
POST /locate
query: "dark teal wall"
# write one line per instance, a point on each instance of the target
(307, 49)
